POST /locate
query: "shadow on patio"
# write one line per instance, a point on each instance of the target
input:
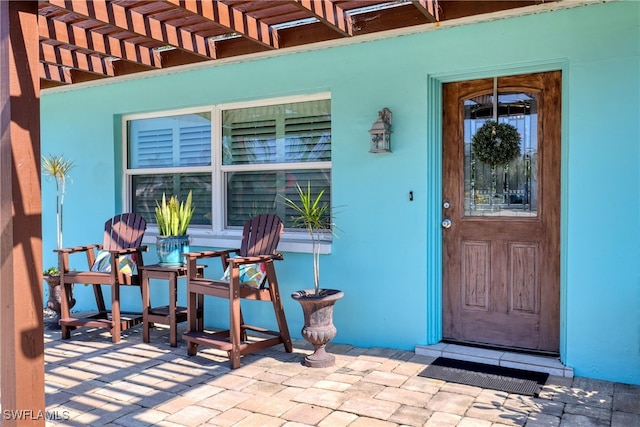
(90, 381)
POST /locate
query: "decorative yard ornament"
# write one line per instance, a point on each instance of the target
(58, 168)
(496, 144)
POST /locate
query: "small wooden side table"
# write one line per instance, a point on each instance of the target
(171, 314)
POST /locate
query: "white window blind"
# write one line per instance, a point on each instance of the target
(308, 139)
(251, 142)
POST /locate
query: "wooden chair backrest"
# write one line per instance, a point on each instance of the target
(261, 235)
(124, 231)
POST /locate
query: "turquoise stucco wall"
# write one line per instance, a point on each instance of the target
(380, 259)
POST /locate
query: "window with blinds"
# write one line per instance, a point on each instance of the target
(173, 143)
(267, 150)
(247, 167)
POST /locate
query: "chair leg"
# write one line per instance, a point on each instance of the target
(200, 312)
(102, 308)
(115, 313)
(234, 322)
(243, 331)
(278, 308)
(65, 310)
(194, 319)
(192, 348)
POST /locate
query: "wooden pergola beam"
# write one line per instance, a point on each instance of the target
(97, 42)
(71, 58)
(429, 8)
(136, 23)
(21, 317)
(328, 13)
(55, 73)
(232, 19)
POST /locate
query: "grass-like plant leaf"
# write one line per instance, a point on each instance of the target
(173, 217)
(315, 217)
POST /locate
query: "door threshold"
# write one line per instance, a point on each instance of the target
(499, 357)
(502, 348)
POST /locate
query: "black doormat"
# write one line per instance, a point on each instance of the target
(510, 380)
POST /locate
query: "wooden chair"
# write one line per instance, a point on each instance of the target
(260, 239)
(122, 242)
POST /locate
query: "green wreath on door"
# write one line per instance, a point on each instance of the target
(496, 144)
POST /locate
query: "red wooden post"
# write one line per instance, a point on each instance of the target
(21, 301)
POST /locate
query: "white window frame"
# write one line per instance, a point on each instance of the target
(218, 236)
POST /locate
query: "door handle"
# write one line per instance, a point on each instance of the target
(446, 223)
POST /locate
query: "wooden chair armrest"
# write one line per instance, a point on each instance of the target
(127, 251)
(209, 254)
(77, 249)
(254, 259)
(192, 257)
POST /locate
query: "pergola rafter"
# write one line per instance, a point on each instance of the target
(64, 56)
(106, 44)
(126, 17)
(330, 13)
(110, 38)
(429, 8)
(55, 72)
(233, 19)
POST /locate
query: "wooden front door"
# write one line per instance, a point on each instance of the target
(501, 224)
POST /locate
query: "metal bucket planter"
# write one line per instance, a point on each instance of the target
(318, 323)
(170, 250)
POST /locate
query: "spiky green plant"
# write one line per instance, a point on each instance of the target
(173, 217)
(315, 217)
(58, 168)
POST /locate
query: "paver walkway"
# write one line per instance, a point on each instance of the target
(90, 381)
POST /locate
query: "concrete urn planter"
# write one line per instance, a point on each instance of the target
(318, 323)
(53, 302)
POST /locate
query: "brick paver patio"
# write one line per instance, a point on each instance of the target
(90, 381)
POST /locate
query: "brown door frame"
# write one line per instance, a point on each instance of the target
(434, 197)
(526, 247)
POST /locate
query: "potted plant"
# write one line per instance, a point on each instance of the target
(173, 218)
(57, 168)
(317, 303)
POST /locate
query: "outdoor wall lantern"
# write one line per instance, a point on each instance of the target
(381, 132)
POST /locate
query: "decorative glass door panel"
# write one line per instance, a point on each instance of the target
(508, 189)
